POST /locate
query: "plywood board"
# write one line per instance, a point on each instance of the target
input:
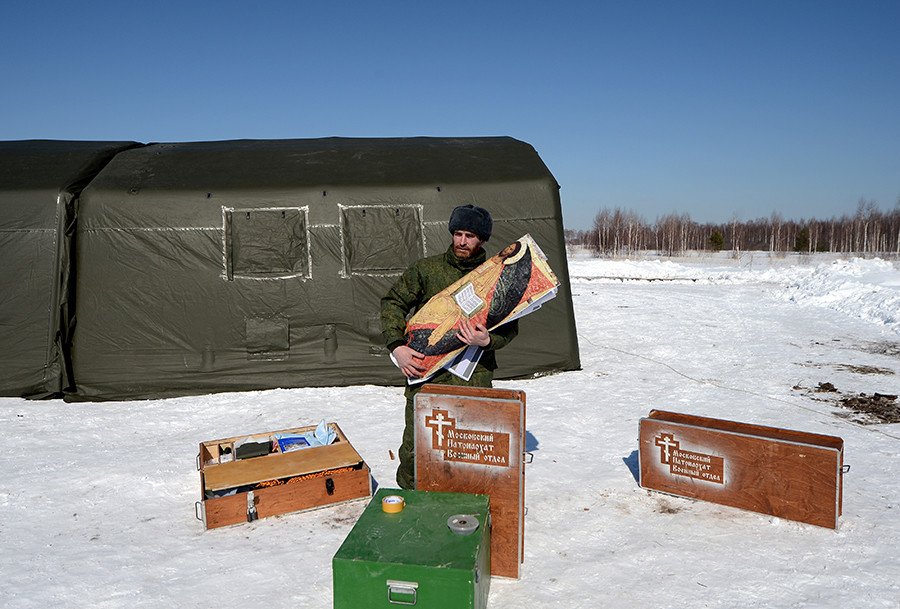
(280, 482)
(470, 440)
(785, 473)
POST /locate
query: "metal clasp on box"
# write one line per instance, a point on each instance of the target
(252, 514)
(395, 587)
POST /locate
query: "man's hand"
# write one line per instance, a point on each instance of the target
(408, 359)
(475, 334)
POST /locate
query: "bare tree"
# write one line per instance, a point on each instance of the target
(897, 221)
(868, 231)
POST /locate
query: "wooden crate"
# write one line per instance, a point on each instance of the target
(278, 482)
(483, 456)
(781, 472)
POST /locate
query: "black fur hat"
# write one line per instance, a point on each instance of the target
(473, 219)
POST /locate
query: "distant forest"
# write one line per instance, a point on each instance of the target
(870, 231)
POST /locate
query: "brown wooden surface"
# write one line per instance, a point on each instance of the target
(293, 497)
(276, 465)
(774, 433)
(497, 411)
(784, 473)
(489, 393)
(280, 465)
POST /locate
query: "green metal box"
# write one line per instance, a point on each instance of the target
(434, 554)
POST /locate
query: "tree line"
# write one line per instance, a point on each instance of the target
(619, 232)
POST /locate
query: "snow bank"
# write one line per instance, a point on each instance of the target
(867, 289)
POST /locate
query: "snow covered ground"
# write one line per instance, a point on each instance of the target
(97, 500)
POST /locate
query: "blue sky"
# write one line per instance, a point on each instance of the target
(715, 109)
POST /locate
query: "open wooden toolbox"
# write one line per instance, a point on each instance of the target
(276, 482)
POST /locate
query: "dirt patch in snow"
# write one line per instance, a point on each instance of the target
(890, 349)
(853, 368)
(864, 369)
(862, 408)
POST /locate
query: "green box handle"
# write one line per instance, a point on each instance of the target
(396, 587)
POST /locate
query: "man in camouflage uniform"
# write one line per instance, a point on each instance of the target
(471, 227)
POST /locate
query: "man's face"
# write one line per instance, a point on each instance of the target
(466, 244)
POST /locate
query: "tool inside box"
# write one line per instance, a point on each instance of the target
(247, 447)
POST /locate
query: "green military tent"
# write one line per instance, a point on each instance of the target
(39, 184)
(241, 265)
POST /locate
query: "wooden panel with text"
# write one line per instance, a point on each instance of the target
(789, 474)
(470, 440)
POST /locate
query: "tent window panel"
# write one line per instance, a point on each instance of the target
(266, 243)
(381, 239)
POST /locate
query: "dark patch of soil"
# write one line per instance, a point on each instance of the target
(867, 409)
(864, 369)
(882, 407)
(665, 507)
(850, 368)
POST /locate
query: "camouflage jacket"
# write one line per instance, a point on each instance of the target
(424, 279)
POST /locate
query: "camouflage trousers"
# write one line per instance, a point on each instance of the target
(482, 377)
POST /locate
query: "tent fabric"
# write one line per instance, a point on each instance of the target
(39, 183)
(256, 264)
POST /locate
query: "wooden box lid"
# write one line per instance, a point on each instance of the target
(218, 476)
(790, 474)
